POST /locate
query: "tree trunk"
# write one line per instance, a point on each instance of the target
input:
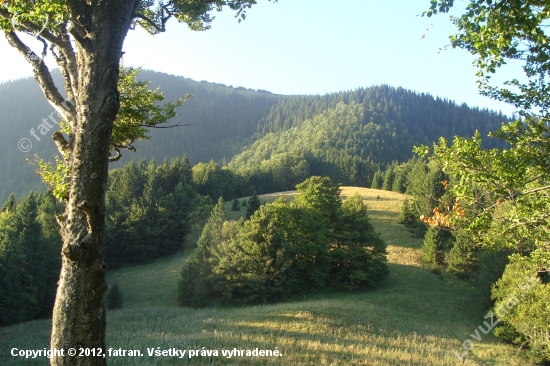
(79, 314)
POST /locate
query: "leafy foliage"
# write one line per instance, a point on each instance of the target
(503, 194)
(521, 301)
(285, 249)
(139, 109)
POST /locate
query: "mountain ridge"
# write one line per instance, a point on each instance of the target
(224, 121)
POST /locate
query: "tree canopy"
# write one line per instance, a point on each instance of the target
(503, 195)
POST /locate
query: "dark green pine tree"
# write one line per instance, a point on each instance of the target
(30, 239)
(186, 169)
(389, 176)
(195, 287)
(377, 180)
(49, 258)
(253, 204)
(433, 249)
(407, 215)
(463, 257)
(113, 298)
(13, 271)
(236, 205)
(9, 204)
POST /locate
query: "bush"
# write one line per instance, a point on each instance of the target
(491, 265)
(285, 249)
(521, 301)
(113, 298)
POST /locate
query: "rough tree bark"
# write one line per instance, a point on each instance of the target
(90, 72)
(79, 314)
(85, 37)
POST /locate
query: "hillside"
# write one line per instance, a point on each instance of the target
(221, 118)
(413, 318)
(224, 120)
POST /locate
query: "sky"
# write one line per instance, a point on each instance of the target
(309, 47)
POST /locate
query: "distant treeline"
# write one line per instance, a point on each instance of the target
(224, 121)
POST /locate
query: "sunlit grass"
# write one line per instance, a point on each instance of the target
(413, 317)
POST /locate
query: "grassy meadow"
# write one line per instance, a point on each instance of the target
(414, 317)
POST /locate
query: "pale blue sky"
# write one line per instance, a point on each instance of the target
(308, 47)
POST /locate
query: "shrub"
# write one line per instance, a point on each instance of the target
(285, 249)
(521, 301)
(113, 298)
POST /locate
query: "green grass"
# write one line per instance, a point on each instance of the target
(413, 318)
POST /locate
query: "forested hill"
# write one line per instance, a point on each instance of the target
(224, 120)
(348, 136)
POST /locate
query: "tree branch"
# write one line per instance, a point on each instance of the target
(534, 190)
(41, 73)
(155, 126)
(150, 22)
(62, 144)
(116, 157)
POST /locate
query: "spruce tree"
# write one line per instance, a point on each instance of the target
(406, 215)
(433, 247)
(236, 206)
(195, 287)
(9, 204)
(377, 180)
(253, 204)
(113, 298)
(389, 176)
(463, 257)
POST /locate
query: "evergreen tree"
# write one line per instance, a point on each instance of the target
(113, 298)
(29, 261)
(463, 257)
(236, 205)
(9, 204)
(389, 176)
(377, 180)
(196, 286)
(433, 249)
(252, 205)
(358, 254)
(406, 214)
